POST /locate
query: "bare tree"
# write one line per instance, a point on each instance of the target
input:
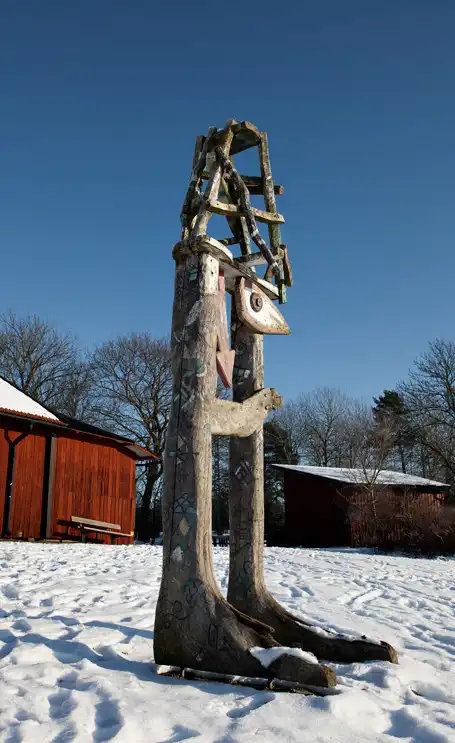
(384, 518)
(44, 364)
(429, 398)
(289, 435)
(373, 443)
(132, 396)
(320, 418)
(279, 448)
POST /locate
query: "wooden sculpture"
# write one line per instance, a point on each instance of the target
(196, 628)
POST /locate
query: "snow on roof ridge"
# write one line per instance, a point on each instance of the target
(16, 402)
(355, 475)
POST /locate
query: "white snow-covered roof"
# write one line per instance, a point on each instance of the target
(16, 402)
(344, 474)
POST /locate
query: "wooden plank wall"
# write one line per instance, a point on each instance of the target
(396, 502)
(95, 481)
(324, 513)
(28, 487)
(3, 471)
(28, 481)
(314, 512)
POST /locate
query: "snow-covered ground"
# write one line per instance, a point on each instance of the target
(76, 641)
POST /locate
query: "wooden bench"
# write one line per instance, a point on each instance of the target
(90, 525)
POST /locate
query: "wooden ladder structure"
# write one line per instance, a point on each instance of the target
(228, 193)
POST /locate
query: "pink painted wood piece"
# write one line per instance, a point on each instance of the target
(225, 356)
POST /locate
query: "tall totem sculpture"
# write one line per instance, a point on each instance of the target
(195, 627)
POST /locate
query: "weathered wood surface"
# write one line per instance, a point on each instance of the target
(237, 225)
(270, 203)
(225, 356)
(204, 244)
(229, 241)
(211, 193)
(269, 192)
(260, 683)
(287, 271)
(253, 259)
(257, 311)
(289, 668)
(246, 588)
(231, 267)
(246, 135)
(225, 678)
(194, 626)
(193, 194)
(242, 419)
(229, 210)
(258, 190)
(242, 196)
(93, 522)
(253, 184)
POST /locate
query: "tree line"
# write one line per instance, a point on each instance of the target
(124, 385)
(410, 429)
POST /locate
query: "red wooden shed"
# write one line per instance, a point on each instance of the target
(331, 506)
(53, 468)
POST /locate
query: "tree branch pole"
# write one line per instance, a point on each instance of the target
(195, 627)
(247, 589)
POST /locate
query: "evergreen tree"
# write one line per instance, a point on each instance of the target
(389, 408)
(278, 449)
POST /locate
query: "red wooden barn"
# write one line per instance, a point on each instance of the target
(53, 468)
(331, 506)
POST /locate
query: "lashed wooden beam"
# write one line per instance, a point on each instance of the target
(253, 184)
(286, 266)
(237, 225)
(231, 266)
(211, 193)
(230, 210)
(229, 241)
(269, 195)
(242, 197)
(270, 203)
(192, 197)
(253, 259)
(246, 135)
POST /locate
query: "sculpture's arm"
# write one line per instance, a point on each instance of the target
(243, 418)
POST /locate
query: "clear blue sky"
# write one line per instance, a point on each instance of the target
(101, 101)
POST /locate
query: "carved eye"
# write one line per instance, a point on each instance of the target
(256, 302)
(256, 310)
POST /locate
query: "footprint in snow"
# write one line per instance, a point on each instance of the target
(259, 700)
(181, 733)
(72, 682)
(10, 591)
(108, 720)
(61, 704)
(21, 625)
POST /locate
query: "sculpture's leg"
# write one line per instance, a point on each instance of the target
(195, 626)
(247, 590)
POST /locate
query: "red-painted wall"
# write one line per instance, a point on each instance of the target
(28, 479)
(315, 511)
(93, 478)
(326, 513)
(95, 481)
